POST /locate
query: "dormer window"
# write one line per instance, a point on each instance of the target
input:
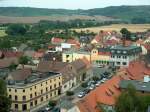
(118, 51)
(124, 52)
(112, 51)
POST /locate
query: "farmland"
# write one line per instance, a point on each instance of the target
(117, 27)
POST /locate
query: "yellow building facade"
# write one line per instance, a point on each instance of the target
(28, 96)
(95, 57)
(72, 56)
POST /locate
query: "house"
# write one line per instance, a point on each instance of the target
(57, 40)
(70, 56)
(100, 56)
(85, 40)
(72, 73)
(97, 40)
(122, 55)
(27, 89)
(141, 87)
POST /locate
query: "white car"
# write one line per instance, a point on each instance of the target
(92, 87)
(98, 83)
(81, 94)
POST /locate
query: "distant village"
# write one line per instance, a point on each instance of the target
(78, 73)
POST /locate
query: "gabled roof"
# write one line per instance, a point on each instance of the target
(137, 70)
(20, 75)
(46, 66)
(73, 41)
(78, 64)
(9, 54)
(104, 94)
(6, 62)
(57, 40)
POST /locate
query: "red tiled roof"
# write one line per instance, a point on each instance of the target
(56, 40)
(104, 94)
(73, 41)
(137, 70)
(38, 54)
(98, 38)
(9, 54)
(104, 53)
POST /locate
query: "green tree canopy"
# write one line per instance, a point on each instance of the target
(130, 101)
(23, 60)
(16, 29)
(5, 102)
(125, 33)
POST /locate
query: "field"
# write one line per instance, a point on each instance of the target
(6, 19)
(117, 27)
(2, 33)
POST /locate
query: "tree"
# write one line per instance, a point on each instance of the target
(69, 93)
(125, 33)
(16, 29)
(23, 60)
(129, 101)
(5, 102)
(13, 66)
(52, 103)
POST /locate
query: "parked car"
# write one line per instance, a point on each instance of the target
(86, 91)
(90, 83)
(98, 83)
(103, 80)
(81, 94)
(91, 87)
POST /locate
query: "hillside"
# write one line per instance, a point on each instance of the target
(126, 13)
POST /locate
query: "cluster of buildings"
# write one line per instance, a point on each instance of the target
(65, 64)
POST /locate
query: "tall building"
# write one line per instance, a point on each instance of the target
(28, 90)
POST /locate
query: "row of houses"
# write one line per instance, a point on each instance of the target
(29, 88)
(118, 55)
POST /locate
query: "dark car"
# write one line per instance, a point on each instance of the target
(86, 91)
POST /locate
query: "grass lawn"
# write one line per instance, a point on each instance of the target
(2, 33)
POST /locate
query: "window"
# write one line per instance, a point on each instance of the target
(35, 87)
(30, 95)
(35, 102)
(55, 92)
(10, 96)
(50, 87)
(16, 106)
(24, 107)
(65, 86)
(46, 82)
(16, 97)
(15, 90)
(124, 57)
(23, 90)
(31, 104)
(67, 56)
(124, 63)
(50, 81)
(51, 94)
(54, 79)
(41, 99)
(46, 89)
(59, 77)
(41, 91)
(46, 96)
(30, 89)
(24, 98)
(54, 85)
(9, 90)
(35, 94)
(59, 83)
(118, 63)
(41, 84)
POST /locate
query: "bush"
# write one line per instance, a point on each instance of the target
(69, 93)
(84, 85)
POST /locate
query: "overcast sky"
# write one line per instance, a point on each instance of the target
(71, 4)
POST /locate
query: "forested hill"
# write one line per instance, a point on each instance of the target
(130, 13)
